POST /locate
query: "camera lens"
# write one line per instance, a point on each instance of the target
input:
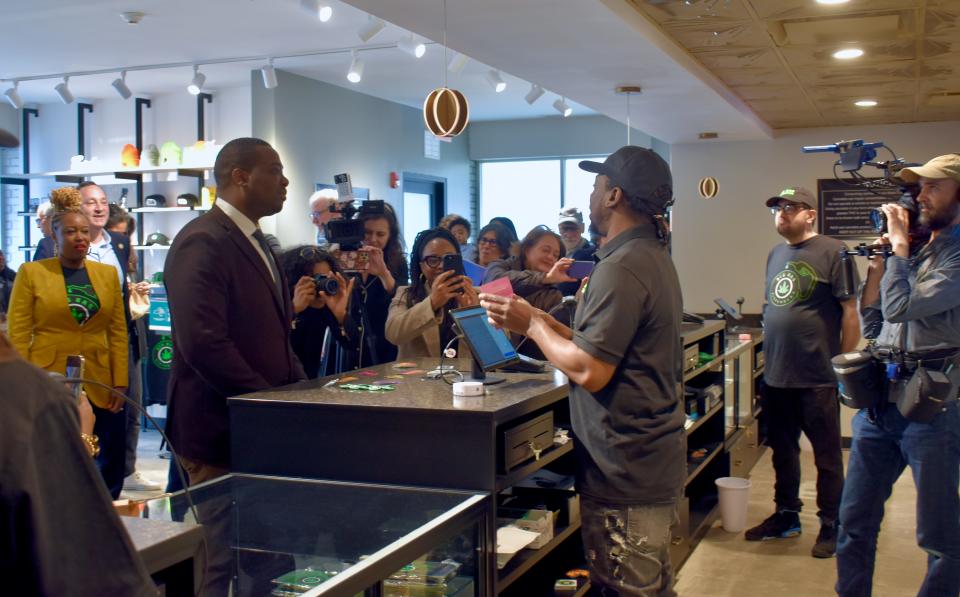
(326, 284)
(879, 220)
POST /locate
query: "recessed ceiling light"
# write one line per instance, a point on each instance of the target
(831, 2)
(865, 103)
(848, 53)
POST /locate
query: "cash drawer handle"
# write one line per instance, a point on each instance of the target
(536, 451)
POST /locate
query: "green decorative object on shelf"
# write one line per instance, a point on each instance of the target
(170, 154)
(150, 156)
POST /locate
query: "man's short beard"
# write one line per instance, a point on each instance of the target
(941, 220)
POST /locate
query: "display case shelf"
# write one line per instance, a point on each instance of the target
(515, 476)
(527, 558)
(699, 466)
(702, 369)
(710, 413)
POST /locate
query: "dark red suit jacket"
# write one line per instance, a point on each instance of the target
(231, 333)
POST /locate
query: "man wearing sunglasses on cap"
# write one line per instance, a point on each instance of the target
(807, 318)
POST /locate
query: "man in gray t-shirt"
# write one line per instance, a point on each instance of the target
(623, 359)
(808, 318)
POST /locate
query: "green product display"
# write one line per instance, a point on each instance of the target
(170, 154)
(367, 387)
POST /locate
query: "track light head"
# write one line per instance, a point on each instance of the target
(355, 73)
(269, 75)
(371, 29)
(457, 62)
(13, 96)
(534, 94)
(410, 46)
(496, 81)
(318, 9)
(196, 83)
(560, 105)
(120, 85)
(63, 90)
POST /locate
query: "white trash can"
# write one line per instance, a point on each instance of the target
(734, 495)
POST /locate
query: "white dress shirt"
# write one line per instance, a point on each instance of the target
(103, 252)
(248, 227)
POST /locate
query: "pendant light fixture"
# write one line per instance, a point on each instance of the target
(446, 111)
(628, 90)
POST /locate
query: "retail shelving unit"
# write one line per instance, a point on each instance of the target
(725, 439)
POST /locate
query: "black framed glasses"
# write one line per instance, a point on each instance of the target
(434, 261)
(487, 241)
(789, 208)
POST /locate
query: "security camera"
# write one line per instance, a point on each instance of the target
(132, 18)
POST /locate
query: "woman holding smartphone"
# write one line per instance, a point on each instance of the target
(534, 274)
(419, 321)
(69, 305)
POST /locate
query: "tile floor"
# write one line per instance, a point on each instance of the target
(724, 564)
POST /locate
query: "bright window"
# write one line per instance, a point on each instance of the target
(526, 192)
(532, 192)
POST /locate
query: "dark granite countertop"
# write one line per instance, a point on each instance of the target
(162, 543)
(414, 391)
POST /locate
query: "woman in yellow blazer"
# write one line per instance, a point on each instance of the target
(68, 305)
(418, 322)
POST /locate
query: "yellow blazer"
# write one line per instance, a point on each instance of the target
(43, 330)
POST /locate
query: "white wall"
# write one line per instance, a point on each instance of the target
(720, 245)
(320, 130)
(552, 137)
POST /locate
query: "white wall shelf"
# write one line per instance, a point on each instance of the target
(157, 210)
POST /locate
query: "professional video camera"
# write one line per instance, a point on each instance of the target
(348, 230)
(856, 154)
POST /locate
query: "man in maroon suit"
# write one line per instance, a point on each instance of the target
(231, 315)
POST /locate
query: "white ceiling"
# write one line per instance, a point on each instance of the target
(41, 37)
(580, 48)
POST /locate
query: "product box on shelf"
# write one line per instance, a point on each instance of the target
(535, 521)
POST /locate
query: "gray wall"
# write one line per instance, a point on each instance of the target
(720, 245)
(553, 137)
(321, 130)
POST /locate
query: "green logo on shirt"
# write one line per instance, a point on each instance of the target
(84, 302)
(162, 353)
(794, 284)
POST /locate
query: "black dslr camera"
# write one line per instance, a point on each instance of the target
(326, 284)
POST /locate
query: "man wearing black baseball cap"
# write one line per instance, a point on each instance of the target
(808, 318)
(623, 359)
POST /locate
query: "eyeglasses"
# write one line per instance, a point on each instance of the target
(487, 241)
(789, 208)
(434, 261)
(313, 253)
(317, 214)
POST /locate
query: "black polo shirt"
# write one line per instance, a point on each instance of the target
(631, 447)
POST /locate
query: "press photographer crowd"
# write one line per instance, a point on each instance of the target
(595, 296)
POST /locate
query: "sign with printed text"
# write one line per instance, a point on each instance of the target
(843, 210)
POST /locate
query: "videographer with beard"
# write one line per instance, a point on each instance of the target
(914, 302)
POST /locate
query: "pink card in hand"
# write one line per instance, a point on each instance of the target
(499, 287)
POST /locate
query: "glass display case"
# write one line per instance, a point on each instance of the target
(285, 537)
(739, 384)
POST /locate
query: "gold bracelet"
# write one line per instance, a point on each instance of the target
(93, 444)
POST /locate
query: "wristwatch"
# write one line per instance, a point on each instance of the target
(93, 444)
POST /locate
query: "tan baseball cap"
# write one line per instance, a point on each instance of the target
(944, 166)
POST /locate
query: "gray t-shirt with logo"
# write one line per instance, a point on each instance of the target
(802, 315)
